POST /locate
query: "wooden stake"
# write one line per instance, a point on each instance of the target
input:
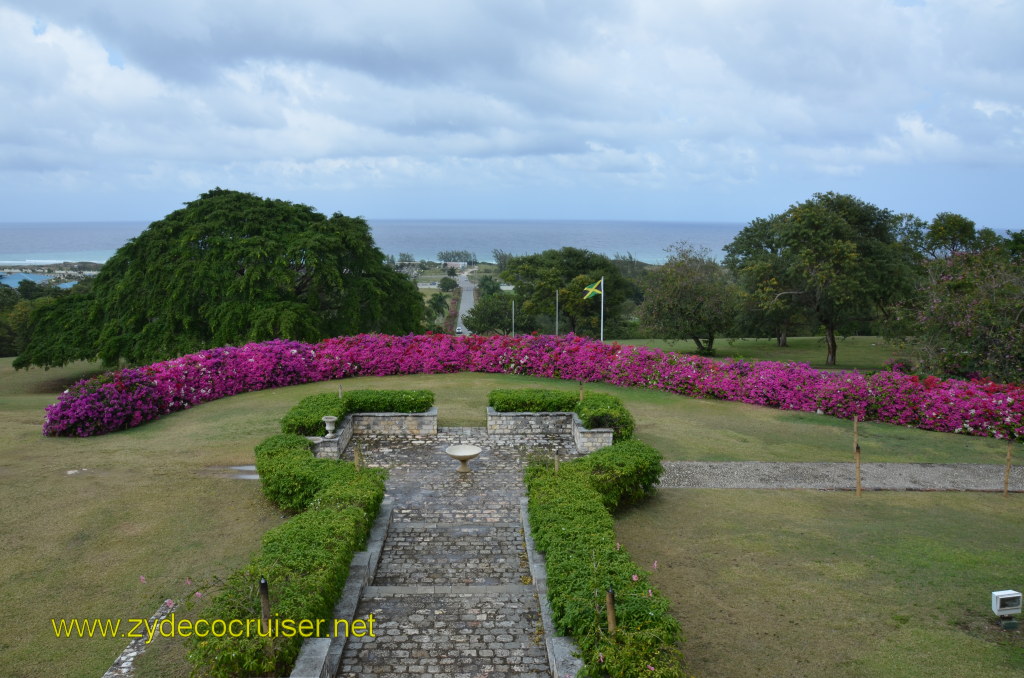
(1009, 463)
(265, 606)
(856, 453)
(556, 460)
(581, 391)
(609, 605)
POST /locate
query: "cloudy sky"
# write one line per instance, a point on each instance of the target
(716, 110)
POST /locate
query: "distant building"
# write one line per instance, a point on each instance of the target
(457, 265)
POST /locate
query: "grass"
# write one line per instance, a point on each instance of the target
(480, 270)
(432, 274)
(795, 583)
(852, 353)
(154, 501)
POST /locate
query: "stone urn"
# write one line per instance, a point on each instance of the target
(329, 422)
(462, 454)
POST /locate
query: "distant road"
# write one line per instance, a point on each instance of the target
(468, 294)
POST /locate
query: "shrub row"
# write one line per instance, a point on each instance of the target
(600, 410)
(571, 523)
(596, 410)
(532, 400)
(305, 560)
(306, 418)
(128, 397)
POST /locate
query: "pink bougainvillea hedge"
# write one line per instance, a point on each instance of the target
(128, 397)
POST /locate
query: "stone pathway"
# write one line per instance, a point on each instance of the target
(838, 476)
(452, 593)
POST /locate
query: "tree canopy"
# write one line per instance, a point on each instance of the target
(690, 296)
(568, 270)
(492, 314)
(230, 268)
(970, 316)
(834, 256)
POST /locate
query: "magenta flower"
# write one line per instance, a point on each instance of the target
(129, 397)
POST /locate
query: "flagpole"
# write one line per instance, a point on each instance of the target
(602, 308)
(556, 312)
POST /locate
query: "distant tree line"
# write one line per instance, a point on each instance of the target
(457, 255)
(949, 291)
(17, 304)
(231, 267)
(832, 265)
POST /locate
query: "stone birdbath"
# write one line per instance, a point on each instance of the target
(462, 454)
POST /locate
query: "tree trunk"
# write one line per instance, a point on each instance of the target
(704, 347)
(830, 342)
(780, 338)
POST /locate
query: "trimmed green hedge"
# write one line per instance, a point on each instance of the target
(596, 410)
(306, 418)
(600, 410)
(532, 400)
(305, 560)
(571, 524)
(387, 401)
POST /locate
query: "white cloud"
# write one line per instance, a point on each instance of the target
(535, 93)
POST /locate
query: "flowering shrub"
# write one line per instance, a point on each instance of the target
(129, 397)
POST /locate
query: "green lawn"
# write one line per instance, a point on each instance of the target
(154, 502)
(852, 353)
(800, 583)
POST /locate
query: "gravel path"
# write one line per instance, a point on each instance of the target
(838, 476)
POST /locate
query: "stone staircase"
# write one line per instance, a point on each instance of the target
(452, 592)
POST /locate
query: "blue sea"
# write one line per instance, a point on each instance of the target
(28, 243)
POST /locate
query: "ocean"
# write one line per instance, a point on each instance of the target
(38, 243)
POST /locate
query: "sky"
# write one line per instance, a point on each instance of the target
(681, 110)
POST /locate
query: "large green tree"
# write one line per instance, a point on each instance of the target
(492, 314)
(969, 316)
(536, 277)
(690, 296)
(835, 257)
(230, 268)
(756, 259)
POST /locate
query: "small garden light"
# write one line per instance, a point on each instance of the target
(1005, 604)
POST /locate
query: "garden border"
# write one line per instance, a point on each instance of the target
(586, 439)
(397, 423)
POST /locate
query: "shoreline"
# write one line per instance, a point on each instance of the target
(55, 273)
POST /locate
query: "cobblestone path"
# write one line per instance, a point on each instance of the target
(452, 594)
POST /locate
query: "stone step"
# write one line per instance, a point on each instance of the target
(459, 554)
(449, 634)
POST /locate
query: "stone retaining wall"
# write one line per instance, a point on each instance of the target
(539, 423)
(396, 423)
(393, 423)
(498, 423)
